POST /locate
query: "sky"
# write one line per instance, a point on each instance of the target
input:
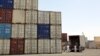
(77, 15)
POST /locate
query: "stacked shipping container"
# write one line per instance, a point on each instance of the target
(25, 30)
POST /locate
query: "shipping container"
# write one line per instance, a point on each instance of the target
(18, 16)
(40, 46)
(31, 16)
(6, 4)
(55, 17)
(97, 41)
(5, 31)
(43, 17)
(17, 46)
(64, 37)
(74, 41)
(17, 30)
(26, 4)
(46, 46)
(30, 46)
(55, 31)
(30, 31)
(53, 46)
(43, 31)
(58, 46)
(4, 46)
(1, 46)
(5, 15)
(43, 46)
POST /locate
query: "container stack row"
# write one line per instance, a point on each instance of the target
(26, 30)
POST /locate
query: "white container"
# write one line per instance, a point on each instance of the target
(40, 46)
(1, 46)
(31, 16)
(46, 46)
(26, 4)
(53, 46)
(52, 18)
(53, 31)
(58, 31)
(58, 17)
(82, 41)
(6, 46)
(43, 17)
(34, 46)
(30, 46)
(17, 31)
(18, 16)
(30, 31)
(19, 4)
(55, 17)
(58, 46)
(32, 4)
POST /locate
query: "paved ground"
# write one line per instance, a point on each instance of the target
(87, 52)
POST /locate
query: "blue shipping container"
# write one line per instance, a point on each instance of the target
(1, 3)
(5, 31)
(6, 4)
(43, 31)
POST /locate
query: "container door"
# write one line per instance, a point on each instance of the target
(2, 15)
(8, 16)
(46, 46)
(58, 46)
(1, 46)
(53, 46)
(40, 46)
(13, 46)
(20, 46)
(6, 46)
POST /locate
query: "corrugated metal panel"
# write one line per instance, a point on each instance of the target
(1, 3)
(30, 46)
(32, 4)
(31, 16)
(82, 41)
(17, 31)
(5, 16)
(58, 31)
(55, 18)
(43, 31)
(53, 46)
(58, 46)
(18, 16)
(30, 31)
(43, 17)
(8, 4)
(5, 31)
(6, 47)
(58, 17)
(34, 46)
(52, 18)
(53, 31)
(1, 46)
(26, 4)
(17, 46)
(40, 46)
(19, 4)
(46, 46)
